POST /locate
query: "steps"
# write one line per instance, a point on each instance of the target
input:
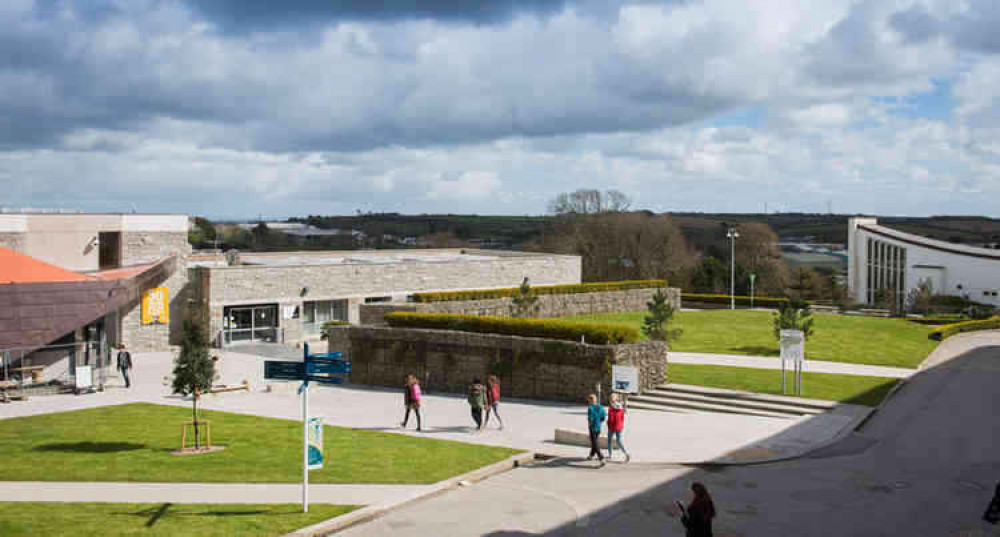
(683, 398)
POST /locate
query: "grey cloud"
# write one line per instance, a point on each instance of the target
(974, 29)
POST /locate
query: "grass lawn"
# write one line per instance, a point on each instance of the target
(837, 338)
(133, 443)
(189, 520)
(852, 389)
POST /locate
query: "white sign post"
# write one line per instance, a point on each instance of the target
(84, 378)
(625, 379)
(793, 348)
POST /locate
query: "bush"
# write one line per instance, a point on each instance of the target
(944, 332)
(762, 301)
(594, 333)
(328, 324)
(508, 292)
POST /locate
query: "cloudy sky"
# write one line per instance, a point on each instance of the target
(231, 108)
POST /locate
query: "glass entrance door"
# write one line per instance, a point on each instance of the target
(250, 323)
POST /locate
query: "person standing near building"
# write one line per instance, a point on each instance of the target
(477, 401)
(616, 424)
(125, 364)
(697, 518)
(595, 419)
(411, 400)
(493, 399)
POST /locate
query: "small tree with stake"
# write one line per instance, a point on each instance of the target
(656, 325)
(194, 371)
(793, 315)
(525, 302)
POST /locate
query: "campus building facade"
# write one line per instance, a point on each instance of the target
(883, 262)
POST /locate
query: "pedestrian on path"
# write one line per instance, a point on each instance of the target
(616, 424)
(697, 518)
(125, 364)
(411, 400)
(477, 401)
(493, 398)
(595, 419)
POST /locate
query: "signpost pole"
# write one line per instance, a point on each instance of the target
(782, 375)
(305, 446)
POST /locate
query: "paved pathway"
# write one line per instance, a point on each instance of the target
(773, 362)
(206, 493)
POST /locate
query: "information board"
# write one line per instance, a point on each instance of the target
(625, 379)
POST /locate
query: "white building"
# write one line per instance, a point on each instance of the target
(883, 259)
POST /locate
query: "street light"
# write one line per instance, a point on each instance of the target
(732, 234)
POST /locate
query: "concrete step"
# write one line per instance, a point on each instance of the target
(669, 404)
(750, 396)
(739, 402)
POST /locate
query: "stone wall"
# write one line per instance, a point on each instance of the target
(147, 247)
(548, 305)
(531, 368)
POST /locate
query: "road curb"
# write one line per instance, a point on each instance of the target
(366, 514)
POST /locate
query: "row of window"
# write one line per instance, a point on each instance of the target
(886, 273)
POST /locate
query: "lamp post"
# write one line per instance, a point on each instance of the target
(752, 278)
(732, 234)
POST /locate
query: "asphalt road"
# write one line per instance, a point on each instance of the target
(926, 464)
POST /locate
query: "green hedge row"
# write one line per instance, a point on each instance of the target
(937, 320)
(761, 301)
(944, 332)
(483, 294)
(594, 333)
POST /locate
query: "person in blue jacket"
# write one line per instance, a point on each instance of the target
(595, 418)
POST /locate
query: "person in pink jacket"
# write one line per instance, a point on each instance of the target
(616, 424)
(411, 399)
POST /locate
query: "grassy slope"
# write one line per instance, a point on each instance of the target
(838, 338)
(133, 443)
(159, 520)
(853, 389)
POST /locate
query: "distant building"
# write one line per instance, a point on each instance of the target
(882, 259)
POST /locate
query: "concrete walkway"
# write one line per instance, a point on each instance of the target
(773, 362)
(212, 493)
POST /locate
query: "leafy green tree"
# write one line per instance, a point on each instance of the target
(194, 371)
(794, 315)
(656, 325)
(525, 302)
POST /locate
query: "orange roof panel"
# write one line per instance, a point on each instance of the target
(19, 268)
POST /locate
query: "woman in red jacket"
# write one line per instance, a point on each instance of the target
(616, 424)
(493, 399)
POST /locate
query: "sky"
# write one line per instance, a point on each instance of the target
(240, 108)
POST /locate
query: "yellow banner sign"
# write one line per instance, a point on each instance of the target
(156, 306)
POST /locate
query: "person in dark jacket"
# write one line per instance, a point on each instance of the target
(477, 401)
(125, 364)
(595, 419)
(411, 400)
(493, 400)
(698, 517)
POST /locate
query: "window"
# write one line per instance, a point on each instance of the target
(376, 299)
(315, 313)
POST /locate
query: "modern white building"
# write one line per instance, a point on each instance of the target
(881, 260)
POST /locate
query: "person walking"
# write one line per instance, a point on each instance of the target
(477, 401)
(616, 424)
(697, 518)
(125, 364)
(411, 400)
(595, 419)
(493, 400)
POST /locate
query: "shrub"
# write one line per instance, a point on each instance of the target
(944, 332)
(328, 324)
(762, 301)
(594, 333)
(508, 292)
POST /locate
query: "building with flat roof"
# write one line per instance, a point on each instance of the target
(884, 261)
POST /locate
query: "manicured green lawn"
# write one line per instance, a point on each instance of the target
(159, 520)
(133, 443)
(837, 338)
(852, 389)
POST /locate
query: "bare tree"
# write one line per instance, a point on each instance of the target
(590, 201)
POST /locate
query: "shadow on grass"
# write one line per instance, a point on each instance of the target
(757, 350)
(90, 447)
(164, 510)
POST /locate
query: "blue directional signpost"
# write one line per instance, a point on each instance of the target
(322, 368)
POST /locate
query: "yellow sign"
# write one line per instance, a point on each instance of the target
(156, 306)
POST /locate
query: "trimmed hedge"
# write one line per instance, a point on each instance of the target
(593, 333)
(762, 301)
(507, 292)
(937, 320)
(944, 332)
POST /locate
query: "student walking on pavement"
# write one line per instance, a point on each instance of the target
(493, 399)
(125, 364)
(477, 401)
(616, 424)
(411, 400)
(697, 518)
(595, 418)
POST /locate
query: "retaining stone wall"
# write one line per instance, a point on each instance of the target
(548, 305)
(531, 368)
